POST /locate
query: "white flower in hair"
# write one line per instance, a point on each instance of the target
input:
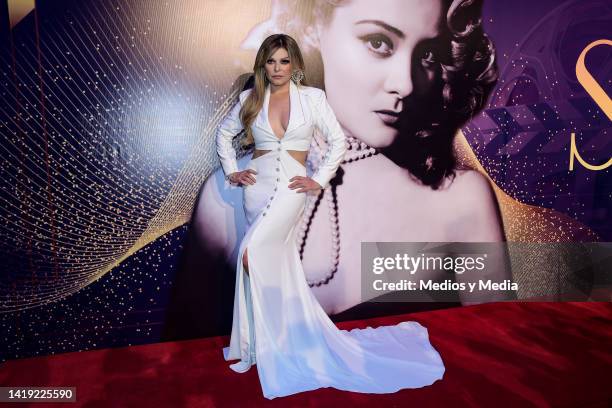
(258, 33)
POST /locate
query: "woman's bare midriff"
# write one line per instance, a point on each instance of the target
(299, 155)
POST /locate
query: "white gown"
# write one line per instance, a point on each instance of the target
(278, 324)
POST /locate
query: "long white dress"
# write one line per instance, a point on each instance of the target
(278, 324)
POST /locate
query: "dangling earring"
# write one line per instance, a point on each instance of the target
(297, 76)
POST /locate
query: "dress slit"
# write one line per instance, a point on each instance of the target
(249, 360)
(249, 303)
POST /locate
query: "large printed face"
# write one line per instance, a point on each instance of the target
(278, 67)
(373, 55)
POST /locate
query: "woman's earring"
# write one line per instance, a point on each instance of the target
(297, 76)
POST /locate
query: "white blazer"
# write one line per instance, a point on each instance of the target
(309, 109)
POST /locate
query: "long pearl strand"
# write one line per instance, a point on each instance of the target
(356, 150)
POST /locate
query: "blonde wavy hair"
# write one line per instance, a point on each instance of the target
(254, 102)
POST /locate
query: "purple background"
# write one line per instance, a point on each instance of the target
(523, 137)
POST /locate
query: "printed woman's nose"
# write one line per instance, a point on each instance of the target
(399, 80)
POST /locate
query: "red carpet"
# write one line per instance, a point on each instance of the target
(496, 355)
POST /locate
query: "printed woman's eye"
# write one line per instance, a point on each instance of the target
(378, 43)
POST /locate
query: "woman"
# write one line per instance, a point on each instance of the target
(277, 321)
(402, 76)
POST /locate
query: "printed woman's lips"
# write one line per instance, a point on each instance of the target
(389, 117)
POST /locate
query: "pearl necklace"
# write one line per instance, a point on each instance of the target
(356, 150)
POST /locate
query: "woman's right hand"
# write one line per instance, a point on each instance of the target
(242, 177)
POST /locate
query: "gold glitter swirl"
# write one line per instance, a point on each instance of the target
(107, 132)
(524, 222)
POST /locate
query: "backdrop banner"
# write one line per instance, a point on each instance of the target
(473, 127)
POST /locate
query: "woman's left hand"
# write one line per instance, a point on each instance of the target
(305, 184)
